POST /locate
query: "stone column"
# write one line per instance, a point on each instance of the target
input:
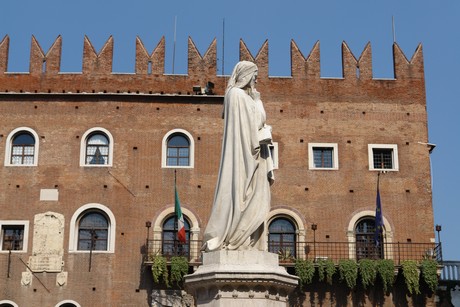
(240, 278)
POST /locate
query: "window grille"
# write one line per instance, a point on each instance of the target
(93, 230)
(178, 151)
(12, 237)
(23, 149)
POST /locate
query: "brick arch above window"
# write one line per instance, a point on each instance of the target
(22, 151)
(191, 148)
(96, 146)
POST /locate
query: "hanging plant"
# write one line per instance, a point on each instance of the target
(348, 270)
(386, 271)
(411, 276)
(326, 269)
(179, 268)
(305, 270)
(368, 272)
(160, 270)
(429, 269)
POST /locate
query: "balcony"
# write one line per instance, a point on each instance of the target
(311, 250)
(450, 271)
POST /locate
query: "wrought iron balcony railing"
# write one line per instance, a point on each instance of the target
(288, 251)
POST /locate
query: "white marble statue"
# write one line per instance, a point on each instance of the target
(242, 196)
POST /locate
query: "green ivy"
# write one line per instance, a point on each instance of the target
(326, 269)
(160, 270)
(305, 270)
(429, 270)
(411, 276)
(368, 272)
(348, 270)
(386, 271)
(179, 268)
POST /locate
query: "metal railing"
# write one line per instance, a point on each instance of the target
(450, 271)
(357, 250)
(312, 250)
(190, 250)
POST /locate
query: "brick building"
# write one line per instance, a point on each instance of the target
(88, 160)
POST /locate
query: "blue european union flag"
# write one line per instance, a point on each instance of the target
(378, 218)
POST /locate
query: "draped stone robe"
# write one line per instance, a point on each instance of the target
(242, 196)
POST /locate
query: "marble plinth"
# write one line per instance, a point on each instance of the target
(240, 278)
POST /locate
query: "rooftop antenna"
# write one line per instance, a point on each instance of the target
(223, 47)
(393, 26)
(174, 47)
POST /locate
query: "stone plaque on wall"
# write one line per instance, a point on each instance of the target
(48, 243)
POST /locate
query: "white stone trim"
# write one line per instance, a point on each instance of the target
(164, 147)
(335, 156)
(387, 232)
(12, 303)
(25, 241)
(73, 236)
(394, 156)
(84, 140)
(67, 302)
(8, 146)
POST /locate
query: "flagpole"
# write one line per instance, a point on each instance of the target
(176, 219)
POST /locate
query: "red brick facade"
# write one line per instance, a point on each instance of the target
(140, 109)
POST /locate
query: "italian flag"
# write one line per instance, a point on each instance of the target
(180, 217)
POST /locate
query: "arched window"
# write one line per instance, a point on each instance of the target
(7, 303)
(366, 246)
(23, 149)
(93, 230)
(171, 246)
(178, 152)
(97, 149)
(282, 237)
(67, 303)
(177, 149)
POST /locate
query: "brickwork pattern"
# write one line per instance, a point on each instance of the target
(139, 109)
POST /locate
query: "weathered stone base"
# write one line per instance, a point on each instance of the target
(173, 298)
(240, 278)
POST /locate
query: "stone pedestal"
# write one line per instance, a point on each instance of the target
(240, 278)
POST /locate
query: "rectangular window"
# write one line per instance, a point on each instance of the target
(13, 235)
(323, 156)
(383, 157)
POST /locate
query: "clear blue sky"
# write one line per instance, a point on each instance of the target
(435, 24)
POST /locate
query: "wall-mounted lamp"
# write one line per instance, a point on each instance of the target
(314, 227)
(438, 230)
(148, 224)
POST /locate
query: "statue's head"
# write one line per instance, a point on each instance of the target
(244, 75)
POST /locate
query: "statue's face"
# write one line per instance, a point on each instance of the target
(253, 80)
